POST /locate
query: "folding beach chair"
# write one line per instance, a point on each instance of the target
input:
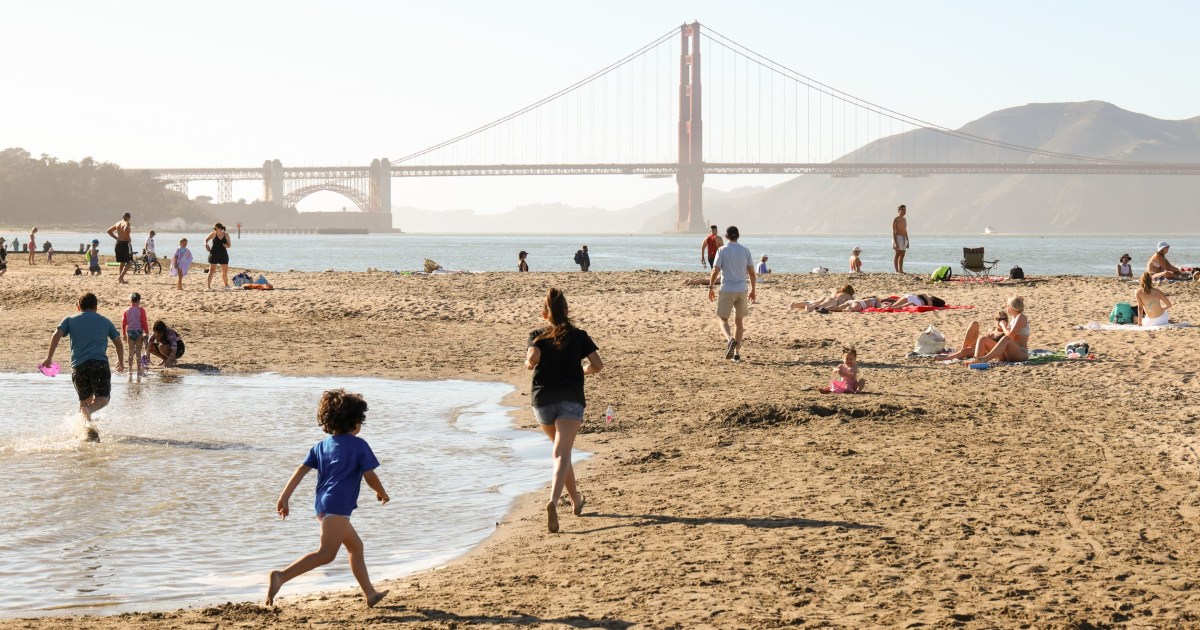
(974, 267)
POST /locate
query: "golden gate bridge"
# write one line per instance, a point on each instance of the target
(656, 113)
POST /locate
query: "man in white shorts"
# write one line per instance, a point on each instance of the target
(735, 264)
(900, 238)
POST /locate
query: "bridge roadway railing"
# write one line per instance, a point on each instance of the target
(670, 169)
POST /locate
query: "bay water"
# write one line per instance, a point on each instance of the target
(1087, 255)
(176, 504)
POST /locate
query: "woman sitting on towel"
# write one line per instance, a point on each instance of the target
(1152, 303)
(829, 303)
(919, 299)
(1012, 345)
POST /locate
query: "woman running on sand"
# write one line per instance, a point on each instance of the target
(556, 354)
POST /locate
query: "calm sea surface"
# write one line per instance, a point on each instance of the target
(175, 506)
(1037, 255)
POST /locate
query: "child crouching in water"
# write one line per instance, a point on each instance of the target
(847, 381)
(342, 461)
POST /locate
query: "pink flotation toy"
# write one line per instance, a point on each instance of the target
(49, 371)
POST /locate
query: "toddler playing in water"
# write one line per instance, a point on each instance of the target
(342, 461)
(847, 381)
(133, 330)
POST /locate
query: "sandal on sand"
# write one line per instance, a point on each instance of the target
(552, 518)
(577, 508)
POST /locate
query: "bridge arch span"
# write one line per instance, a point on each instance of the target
(360, 199)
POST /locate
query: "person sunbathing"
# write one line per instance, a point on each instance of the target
(834, 299)
(1152, 302)
(1013, 344)
(919, 299)
(1161, 269)
(857, 306)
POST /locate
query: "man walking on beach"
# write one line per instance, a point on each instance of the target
(582, 259)
(735, 264)
(124, 249)
(900, 238)
(708, 249)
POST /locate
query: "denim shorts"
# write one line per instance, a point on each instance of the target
(566, 410)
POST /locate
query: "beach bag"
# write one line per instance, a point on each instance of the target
(820, 270)
(1016, 273)
(930, 341)
(579, 257)
(1122, 313)
(942, 274)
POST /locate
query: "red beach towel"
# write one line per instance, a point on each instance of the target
(915, 309)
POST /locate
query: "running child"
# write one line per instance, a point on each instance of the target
(134, 329)
(89, 332)
(343, 460)
(847, 380)
(180, 261)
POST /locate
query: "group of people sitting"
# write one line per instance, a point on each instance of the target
(1158, 266)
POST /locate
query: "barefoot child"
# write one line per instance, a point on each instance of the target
(93, 258)
(134, 329)
(180, 261)
(847, 374)
(342, 461)
(89, 332)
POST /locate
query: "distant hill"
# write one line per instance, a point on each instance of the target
(654, 216)
(1007, 203)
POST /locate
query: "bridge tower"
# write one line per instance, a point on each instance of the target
(273, 182)
(690, 216)
(381, 186)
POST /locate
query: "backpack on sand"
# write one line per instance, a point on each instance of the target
(942, 274)
(1122, 313)
(1016, 273)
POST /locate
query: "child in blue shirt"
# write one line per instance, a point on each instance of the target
(89, 333)
(343, 460)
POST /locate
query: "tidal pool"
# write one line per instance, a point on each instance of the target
(176, 504)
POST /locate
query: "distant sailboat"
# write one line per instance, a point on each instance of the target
(987, 230)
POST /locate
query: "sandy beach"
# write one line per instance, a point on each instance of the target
(735, 495)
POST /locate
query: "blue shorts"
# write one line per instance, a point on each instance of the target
(566, 410)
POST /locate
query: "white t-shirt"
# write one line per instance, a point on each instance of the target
(149, 244)
(734, 259)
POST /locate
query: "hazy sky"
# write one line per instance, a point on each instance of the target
(233, 83)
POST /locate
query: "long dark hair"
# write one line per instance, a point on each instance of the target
(556, 313)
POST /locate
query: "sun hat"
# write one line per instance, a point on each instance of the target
(1161, 246)
(856, 249)
(1126, 257)
(522, 253)
(95, 241)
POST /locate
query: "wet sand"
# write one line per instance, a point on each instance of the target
(725, 495)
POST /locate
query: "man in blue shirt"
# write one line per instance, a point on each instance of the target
(736, 265)
(89, 332)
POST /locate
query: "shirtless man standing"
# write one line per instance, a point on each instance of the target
(124, 249)
(900, 238)
(709, 247)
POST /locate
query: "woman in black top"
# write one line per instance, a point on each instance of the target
(521, 264)
(218, 253)
(556, 355)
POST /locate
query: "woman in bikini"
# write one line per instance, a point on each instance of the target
(829, 303)
(1012, 345)
(919, 299)
(1152, 303)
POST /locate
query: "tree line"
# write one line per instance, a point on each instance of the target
(45, 191)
